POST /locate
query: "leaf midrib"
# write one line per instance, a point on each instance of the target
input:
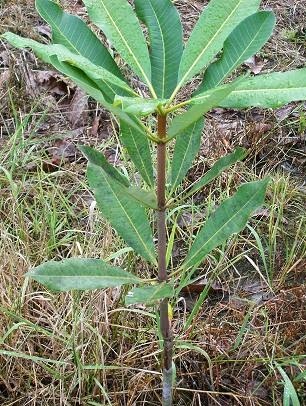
(130, 50)
(76, 50)
(82, 276)
(207, 45)
(142, 162)
(185, 153)
(267, 89)
(242, 53)
(127, 215)
(164, 49)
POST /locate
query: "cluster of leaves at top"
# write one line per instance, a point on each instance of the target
(226, 34)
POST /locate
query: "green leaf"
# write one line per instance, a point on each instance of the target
(222, 164)
(270, 90)
(146, 198)
(74, 34)
(216, 22)
(90, 87)
(149, 294)
(138, 147)
(45, 52)
(120, 25)
(229, 218)
(80, 274)
(124, 213)
(245, 41)
(97, 158)
(187, 146)
(138, 106)
(166, 42)
(212, 99)
(79, 77)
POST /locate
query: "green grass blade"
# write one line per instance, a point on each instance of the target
(74, 34)
(124, 213)
(216, 22)
(166, 42)
(119, 23)
(245, 41)
(187, 146)
(80, 274)
(149, 294)
(223, 163)
(270, 90)
(138, 147)
(229, 218)
(33, 358)
(290, 396)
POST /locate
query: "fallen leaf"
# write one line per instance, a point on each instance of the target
(4, 78)
(255, 64)
(78, 109)
(63, 150)
(44, 30)
(95, 126)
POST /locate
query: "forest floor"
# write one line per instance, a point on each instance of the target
(247, 344)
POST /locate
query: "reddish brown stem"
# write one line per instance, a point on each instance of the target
(162, 269)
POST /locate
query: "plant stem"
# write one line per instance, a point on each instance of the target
(162, 268)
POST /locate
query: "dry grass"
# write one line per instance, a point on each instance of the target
(87, 349)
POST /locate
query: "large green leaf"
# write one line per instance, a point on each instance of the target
(166, 42)
(149, 294)
(270, 90)
(246, 40)
(216, 22)
(187, 146)
(74, 34)
(229, 218)
(146, 198)
(222, 164)
(120, 25)
(207, 101)
(88, 85)
(138, 147)
(80, 274)
(124, 213)
(45, 52)
(78, 77)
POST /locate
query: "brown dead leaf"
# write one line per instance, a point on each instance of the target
(255, 64)
(4, 59)
(63, 150)
(95, 126)
(78, 113)
(52, 82)
(4, 78)
(44, 30)
(261, 212)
